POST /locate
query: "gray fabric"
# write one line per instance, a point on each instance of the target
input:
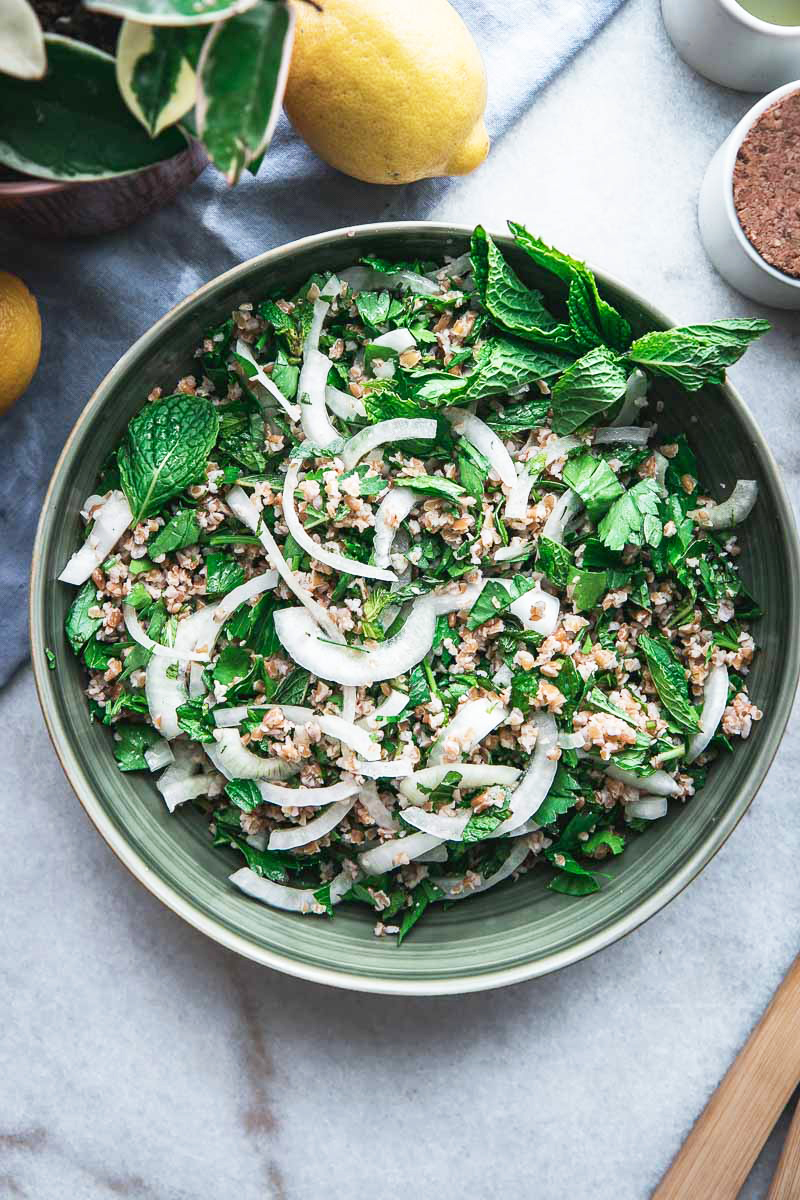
(97, 297)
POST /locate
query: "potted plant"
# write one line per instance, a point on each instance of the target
(113, 106)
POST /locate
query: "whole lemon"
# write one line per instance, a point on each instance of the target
(20, 338)
(388, 91)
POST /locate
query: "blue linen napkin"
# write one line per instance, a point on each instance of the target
(97, 297)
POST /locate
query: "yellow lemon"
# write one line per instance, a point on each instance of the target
(388, 91)
(20, 338)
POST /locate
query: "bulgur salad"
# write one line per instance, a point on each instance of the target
(403, 590)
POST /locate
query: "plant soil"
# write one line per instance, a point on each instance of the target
(71, 19)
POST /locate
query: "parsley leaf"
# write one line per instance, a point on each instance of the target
(555, 561)
(633, 518)
(223, 574)
(496, 596)
(595, 483)
(130, 743)
(432, 485)
(424, 894)
(181, 530)
(195, 719)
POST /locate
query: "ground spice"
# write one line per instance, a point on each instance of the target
(766, 185)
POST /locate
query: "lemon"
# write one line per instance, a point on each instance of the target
(20, 338)
(388, 91)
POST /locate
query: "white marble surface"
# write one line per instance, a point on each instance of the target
(138, 1059)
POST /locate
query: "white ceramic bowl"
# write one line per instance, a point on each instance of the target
(732, 254)
(730, 46)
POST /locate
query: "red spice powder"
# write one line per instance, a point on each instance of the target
(766, 185)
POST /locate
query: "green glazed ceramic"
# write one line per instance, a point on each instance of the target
(520, 930)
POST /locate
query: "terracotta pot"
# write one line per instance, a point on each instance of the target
(85, 208)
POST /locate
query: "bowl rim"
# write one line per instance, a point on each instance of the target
(163, 891)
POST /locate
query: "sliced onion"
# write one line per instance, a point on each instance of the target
(532, 789)
(512, 551)
(164, 681)
(474, 721)
(647, 808)
(516, 507)
(332, 288)
(715, 700)
(305, 797)
(294, 836)
(343, 405)
(369, 800)
(391, 706)
(243, 351)
(549, 607)
(660, 475)
(568, 504)
(438, 854)
(438, 825)
(349, 702)
(396, 853)
(235, 761)
(134, 628)
(455, 269)
(159, 755)
(302, 641)
(391, 768)
(397, 429)
(311, 389)
(459, 887)
(290, 899)
(659, 783)
(183, 780)
(398, 340)
(350, 735)
(362, 279)
(622, 435)
(560, 447)
(473, 775)
(484, 439)
(503, 676)
(243, 508)
(732, 511)
(571, 741)
(110, 522)
(346, 566)
(635, 398)
(391, 512)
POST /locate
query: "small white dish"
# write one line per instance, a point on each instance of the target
(727, 44)
(726, 244)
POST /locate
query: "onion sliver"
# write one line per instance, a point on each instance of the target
(294, 836)
(438, 825)
(516, 506)
(397, 340)
(243, 508)
(392, 706)
(566, 507)
(134, 628)
(350, 735)
(311, 389)
(332, 558)
(159, 755)
(657, 784)
(392, 768)
(635, 398)
(397, 429)
(183, 779)
(622, 435)
(371, 802)
(560, 447)
(571, 741)
(164, 681)
(462, 886)
(715, 700)
(732, 511)
(474, 721)
(235, 761)
(484, 439)
(243, 351)
(290, 899)
(332, 288)
(305, 797)
(549, 608)
(343, 405)
(532, 789)
(392, 511)
(110, 522)
(647, 808)
(437, 854)
(472, 775)
(396, 853)
(361, 279)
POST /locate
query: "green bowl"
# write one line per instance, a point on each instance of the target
(520, 930)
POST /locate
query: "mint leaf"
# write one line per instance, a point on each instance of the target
(130, 743)
(695, 355)
(165, 449)
(518, 418)
(473, 468)
(501, 366)
(574, 885)
(604, 837)
(555, 561)
(78, 625)
(418, 690)
(670, 682)
(633, 518)
(244, 794)
(587, 588)
(587, 389)
(292, 688)
(482, 825)
(223, 574)
(195, 719)
(432, 485)
(595, 483)
(373, 307)
(424, 894)
(285, 376)
(564, 791)
(513, 306)
(181, 530)
(496, 597)
(232, 664)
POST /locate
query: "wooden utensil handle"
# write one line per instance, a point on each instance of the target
(718, 1154)
(786, 1182)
